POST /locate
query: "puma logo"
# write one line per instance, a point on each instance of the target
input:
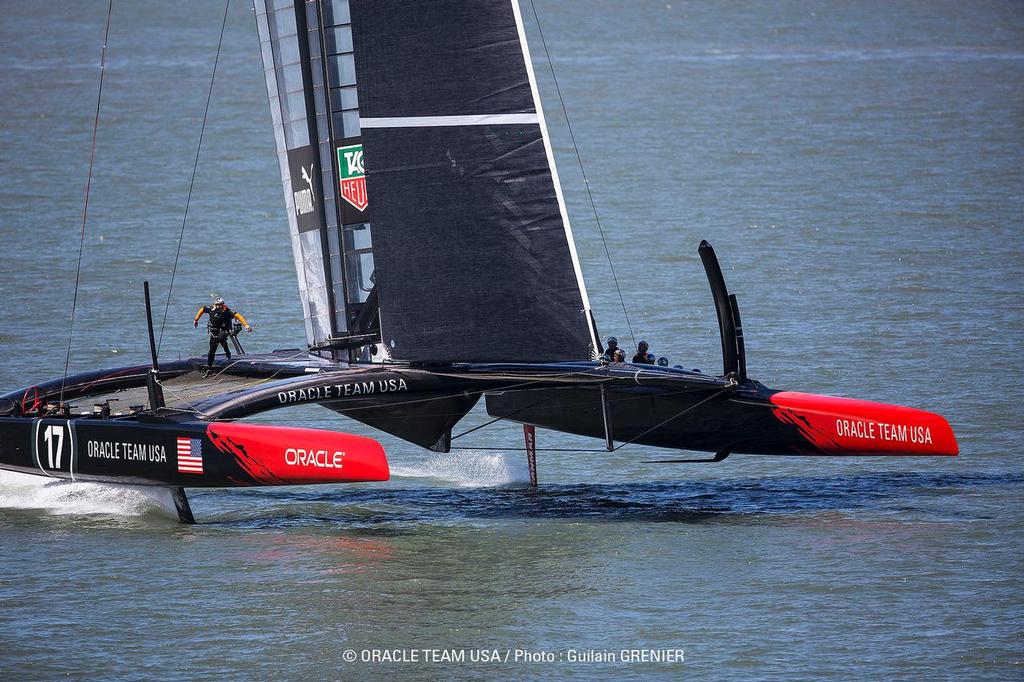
(308, 179)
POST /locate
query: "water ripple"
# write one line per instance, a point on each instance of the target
(658, 501)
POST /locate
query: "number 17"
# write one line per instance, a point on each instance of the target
(54, 432)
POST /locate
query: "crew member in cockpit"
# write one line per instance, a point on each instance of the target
(219, 326)
(609, 353)
(642, 356)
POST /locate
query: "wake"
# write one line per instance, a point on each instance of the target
(58, 497)
(468, 469)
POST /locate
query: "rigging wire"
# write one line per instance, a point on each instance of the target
(219, 378)
(617, 447)
(85, 207)
(195, 165)
(471, 448)
(498, 419)
(527, 382)
(565, 405)
(673, 417)
(581, 403)
(586, 181)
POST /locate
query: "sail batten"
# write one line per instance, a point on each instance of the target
(434, 121)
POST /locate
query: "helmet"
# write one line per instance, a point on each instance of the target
(642, 346)
(662, 362)
(612, 341)
(218, 301)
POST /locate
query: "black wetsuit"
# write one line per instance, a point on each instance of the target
(642, 359)
(219, 326)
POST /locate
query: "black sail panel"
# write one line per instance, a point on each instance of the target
(478, 271)
(473, 253)
(437, 58)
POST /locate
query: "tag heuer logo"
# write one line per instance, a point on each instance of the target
(351, 176)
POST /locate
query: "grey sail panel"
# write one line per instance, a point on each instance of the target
(310, 75)
(474, 256)
(287, 78)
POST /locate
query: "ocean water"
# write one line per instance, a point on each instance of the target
(859, 168)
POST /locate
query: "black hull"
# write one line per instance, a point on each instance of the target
(643, 404)
(740, 421)
(194, 455)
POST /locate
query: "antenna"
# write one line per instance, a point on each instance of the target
(156, 394)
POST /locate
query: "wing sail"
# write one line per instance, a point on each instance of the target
(475, 260)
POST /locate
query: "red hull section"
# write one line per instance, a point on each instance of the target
(843, 426)
(281, 455)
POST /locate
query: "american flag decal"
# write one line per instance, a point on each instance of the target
(190, 455)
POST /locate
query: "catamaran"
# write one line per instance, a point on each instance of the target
(432, 244)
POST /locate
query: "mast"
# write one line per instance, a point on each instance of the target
(310, 75)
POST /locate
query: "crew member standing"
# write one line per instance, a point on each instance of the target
(219, 326)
